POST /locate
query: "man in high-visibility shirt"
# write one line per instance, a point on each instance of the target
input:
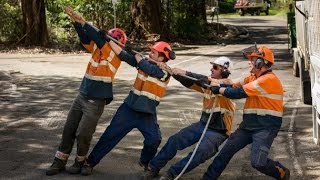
(95, 93)
(218, 131)
(262, 117)
(139, 108)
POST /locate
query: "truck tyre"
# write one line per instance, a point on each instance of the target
(241, 12)
(316, 126)
(306, 96)
(295, 67)
(305, 84)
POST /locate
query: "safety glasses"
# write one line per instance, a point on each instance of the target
(216, 67)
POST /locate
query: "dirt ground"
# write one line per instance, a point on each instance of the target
(36, 91)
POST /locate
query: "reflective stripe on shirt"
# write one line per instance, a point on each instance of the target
(263, 112)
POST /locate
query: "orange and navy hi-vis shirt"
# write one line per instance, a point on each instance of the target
(147, 91)
(224, 108)
(100, 72)
(149, 87)
(264, 103)
(102, 67)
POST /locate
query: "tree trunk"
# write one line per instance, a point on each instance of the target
(197, 8)
(34, 22)
(189, 21)
(146, 18)
(168, 19)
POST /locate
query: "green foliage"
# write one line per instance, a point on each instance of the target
(59, 25)
(60, 28)
(280, 8)
(188, 28)
(10, 14)
(187, 22)
(226, 6)
(182, 18)
(277, 12)
(124, 14)
(99, 13)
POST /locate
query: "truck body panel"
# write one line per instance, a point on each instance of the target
(307, 56)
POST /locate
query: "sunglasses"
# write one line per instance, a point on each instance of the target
(216, 67)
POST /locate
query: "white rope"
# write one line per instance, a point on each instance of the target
(197, 146)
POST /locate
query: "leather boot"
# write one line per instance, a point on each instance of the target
(76, 167)
(57, 166)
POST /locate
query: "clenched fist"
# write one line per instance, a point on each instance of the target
(75, 16)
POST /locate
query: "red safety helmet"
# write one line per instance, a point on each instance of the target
(164, 48)
(118, 34)
(264, 53)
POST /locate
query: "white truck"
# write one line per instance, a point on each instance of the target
(307, 57)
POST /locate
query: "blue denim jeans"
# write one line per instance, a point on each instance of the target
(183, 139)
(261, 142)
(121, 124)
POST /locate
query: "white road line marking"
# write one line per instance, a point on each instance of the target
(197, 56)
(296, 164)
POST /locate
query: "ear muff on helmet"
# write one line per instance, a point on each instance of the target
(260, 63)
(225, 72)
(225, 63)
(172, 54)
(163, 47)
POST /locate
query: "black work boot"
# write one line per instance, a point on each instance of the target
(57, 166)
(149, 174)
(76, 167)
(144, 165)
(86, 169)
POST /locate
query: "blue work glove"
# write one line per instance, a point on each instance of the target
(215, 89)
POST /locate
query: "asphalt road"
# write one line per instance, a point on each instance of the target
(36, 92)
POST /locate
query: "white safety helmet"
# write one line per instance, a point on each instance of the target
(223, 61)
(226, 63)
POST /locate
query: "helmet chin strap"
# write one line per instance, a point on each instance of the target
(254, 71)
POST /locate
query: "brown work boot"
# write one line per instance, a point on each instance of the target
(284, 173)
(76, 167)
(57, 166)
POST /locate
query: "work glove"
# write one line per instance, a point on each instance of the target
(202, 82)
(103, 34)
(215, 89)
(129, 50)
